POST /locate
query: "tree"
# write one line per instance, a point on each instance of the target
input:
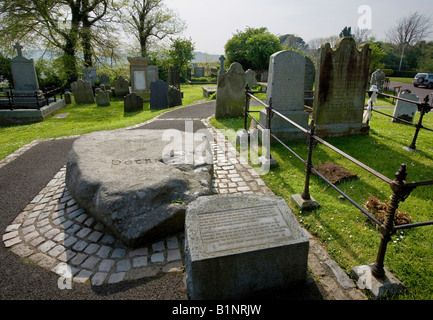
(293, 41)
(180, 53)
(149, 19)
(410, 29)
(376, 56)
(252, 48)
(41, 22)
(346, 32)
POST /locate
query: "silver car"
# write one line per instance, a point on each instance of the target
(423, 79)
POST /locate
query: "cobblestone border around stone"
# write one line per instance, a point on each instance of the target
(56, 234)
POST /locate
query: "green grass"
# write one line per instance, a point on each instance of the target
(403, 80)
(349, 238)
(83, 119)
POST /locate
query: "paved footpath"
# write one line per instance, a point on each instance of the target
(52, 249)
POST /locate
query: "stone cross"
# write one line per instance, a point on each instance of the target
(18, 47)
(222, 60)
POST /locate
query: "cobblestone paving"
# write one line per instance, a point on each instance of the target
(55, 233)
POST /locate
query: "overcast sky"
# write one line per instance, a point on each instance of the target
(212, 23)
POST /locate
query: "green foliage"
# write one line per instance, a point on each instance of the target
(50, 73)
(5, 68)
(180, 53)
(388, 72)
(252, 48)
(346, 32)
(376, 57)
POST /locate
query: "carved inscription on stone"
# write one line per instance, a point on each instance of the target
(242, 228)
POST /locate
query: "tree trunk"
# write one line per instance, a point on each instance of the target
(87, 46)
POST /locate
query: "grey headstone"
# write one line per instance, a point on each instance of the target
(82, 91)
(286, 92)
(23, 73)
(230, 100)
(68, 98)
(158, 95)
(222, 60)
(340, 89)
(405, 110)
(250, 77)
(136, 182)
(378, 79)
(133, 102)
(238, 245)
(198, 72)
(102, 99)
(174, 96)
(121, 87)
(89, 75)
(140, 84)
(104, 79)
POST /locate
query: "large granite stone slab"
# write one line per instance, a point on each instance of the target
(136, 183)
(239, 245)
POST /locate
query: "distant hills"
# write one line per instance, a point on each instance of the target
(205, 57)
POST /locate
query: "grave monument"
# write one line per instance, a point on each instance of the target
(378, 79)
(90, 75)
(230, 100)
(158, 95)
(82, 91)
(137, 182)
(121, 87)
(405, 110)
(286, 91)
(238, 245)
(139, 77)
(340, 92)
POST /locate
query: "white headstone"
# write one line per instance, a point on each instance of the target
(405, 110)
(286, 92)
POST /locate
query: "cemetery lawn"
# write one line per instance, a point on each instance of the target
(84, 119)
(403, 80)
(343, 230)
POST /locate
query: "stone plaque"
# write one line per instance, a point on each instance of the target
(140, 80)
(242, 228)
(238, 245)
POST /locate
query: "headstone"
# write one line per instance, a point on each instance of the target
(250, 77)
(23, 73)
(68, 97)
(132, 103)
(198, 72)
(152, 73)
(230, 100)
(104, 79)
(239, 245)
(139, 77)
(310, 74)
(340, 89)
(378, 79)
(174, 97)
(82, 91)
(405, 110)
(158, 95)
(121, 87)
(130, 181)
(89, 75)
(174, 77)
(222, 62)
(286, 92)
(102, 99)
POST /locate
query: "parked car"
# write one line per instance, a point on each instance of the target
(423, 79)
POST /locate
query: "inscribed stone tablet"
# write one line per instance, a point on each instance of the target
(140, 80)
(242, 228)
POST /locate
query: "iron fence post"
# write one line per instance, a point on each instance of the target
(247, 106)
(306, 193)
(423, 108)
(399, 193)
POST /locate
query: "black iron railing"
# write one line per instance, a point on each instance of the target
(36, 100)
(399, 187)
